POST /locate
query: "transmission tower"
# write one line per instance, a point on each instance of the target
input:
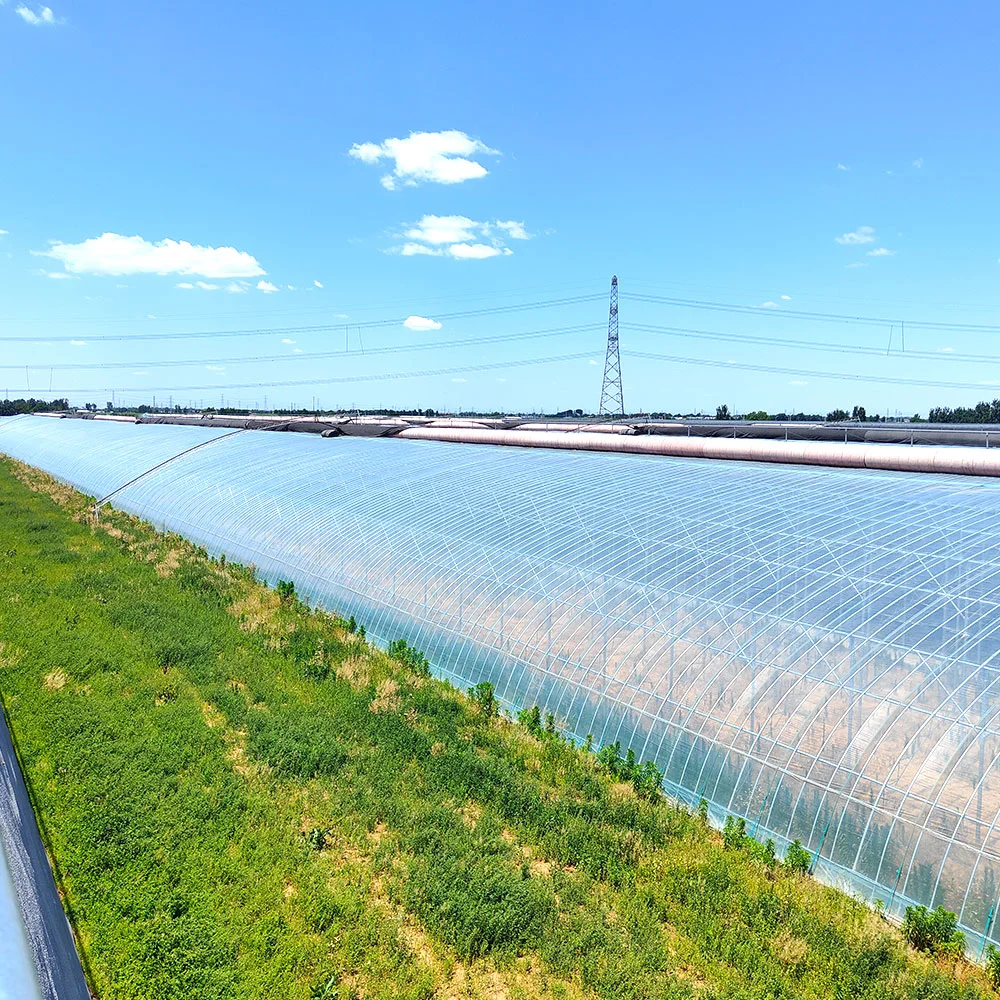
(612, 398)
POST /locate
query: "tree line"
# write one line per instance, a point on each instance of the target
(11, 407)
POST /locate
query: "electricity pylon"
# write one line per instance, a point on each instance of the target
(612, 397)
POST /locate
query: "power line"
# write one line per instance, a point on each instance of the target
(501, 338)
(733, 307)
(774, 370)
(861, 349)
(287, 330)
(341, 380)
(261, 306)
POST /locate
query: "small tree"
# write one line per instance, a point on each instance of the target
(286, 590)
(482, 694)
(531, 719)
(797, 857)
(722, 412)
(703, 810)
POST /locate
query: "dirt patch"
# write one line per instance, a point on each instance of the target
(39, 482)
(790, 949)
(386, 697)
(9, 656)
(471, 814)
(356, 670)
(55, 680)
(257, 610)
(169, 564)
(212, 716)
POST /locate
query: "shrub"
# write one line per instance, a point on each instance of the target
(408, 656)
(286, 590)
(993, 965)
(734, 832)
(797, 857)
(317, 838)
(648, 780)
(933, 930)
(479, 906)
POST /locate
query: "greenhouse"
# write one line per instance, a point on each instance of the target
(812, 649)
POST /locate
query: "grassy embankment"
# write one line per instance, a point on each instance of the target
(244, 799)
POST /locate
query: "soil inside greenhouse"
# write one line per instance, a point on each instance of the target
(245, 799)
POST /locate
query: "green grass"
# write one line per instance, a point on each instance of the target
(244, 799)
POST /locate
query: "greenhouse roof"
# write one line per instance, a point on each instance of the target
(814, 649)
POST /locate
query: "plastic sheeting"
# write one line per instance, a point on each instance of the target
(814, 649)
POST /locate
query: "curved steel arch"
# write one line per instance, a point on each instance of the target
(817, 647)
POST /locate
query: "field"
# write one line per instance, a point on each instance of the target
(244, 799)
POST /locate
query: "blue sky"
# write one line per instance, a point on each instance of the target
(837, 159)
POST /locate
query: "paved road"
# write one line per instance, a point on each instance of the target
(60, 975)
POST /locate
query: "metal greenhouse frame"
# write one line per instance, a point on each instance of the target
(814, 649)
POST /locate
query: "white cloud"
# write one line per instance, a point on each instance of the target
(918, 162)
(863, 234)
(515, 230)
(435, 157)
(477, 251)
(786, 298)
(317, 284)
(183, 284)
(459, 237)
(296, 350)
(421, 323)
(206, 286)
(842, 166)
(4, 232)
(111, 253)
(237, 287)
(857, 263)
(418, 249)
(266, 286)
(79, 343)
(287, 340)
(42, 15)
(460, 380)
(291, 288)
(215, 368)
(593, 362)
(881, 252)
(438, 229)
(947, 350)
(769, 305)
(58, 275)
